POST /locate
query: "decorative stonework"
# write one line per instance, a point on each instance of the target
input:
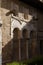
(22, 18)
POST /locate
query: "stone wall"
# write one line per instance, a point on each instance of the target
(6, 7)
(6, 36)
(40, 29)
(6, 28)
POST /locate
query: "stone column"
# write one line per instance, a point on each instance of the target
(27, 48)
(19, 52)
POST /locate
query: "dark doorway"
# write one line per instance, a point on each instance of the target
(41, 47)
(24, 45)
(16, 38)
(33, 43)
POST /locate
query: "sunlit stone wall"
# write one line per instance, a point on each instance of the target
(0, 36)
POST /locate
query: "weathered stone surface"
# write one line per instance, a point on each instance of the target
(9, 25)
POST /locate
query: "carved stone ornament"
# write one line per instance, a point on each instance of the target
(19, 19)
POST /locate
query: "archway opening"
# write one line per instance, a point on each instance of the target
(16, 44)
(16, 33)
(25, 33)
(33, 43)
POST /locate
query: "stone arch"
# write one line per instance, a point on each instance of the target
(16, 33)
(24, 44)
(33, 43)
(25, 33)
(33, 34)
(16, 44)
